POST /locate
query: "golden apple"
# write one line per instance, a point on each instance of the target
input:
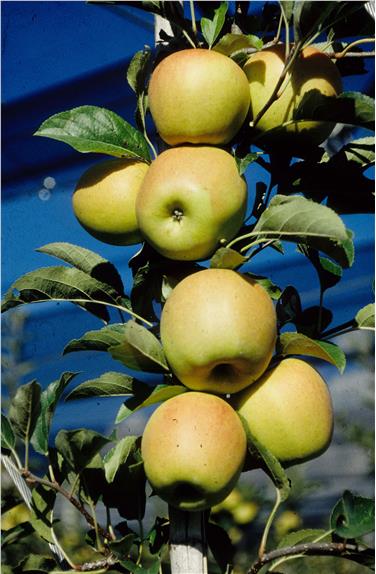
(198, 96)
(191, 199)
(289, 411)
(104, 200)
(193, 448)
(313, 70)
(218, 330)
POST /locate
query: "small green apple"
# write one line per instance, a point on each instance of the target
(289, 411)
(104, 200)
(193, 448)
(313, 70)
(191, 199)
(198, 96)
(218, 331)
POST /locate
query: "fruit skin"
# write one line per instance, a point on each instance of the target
(289, 410)
(190, 199)
(313, 70)
(218, 331)
(198, 96)
(193, 449)
(104, 200)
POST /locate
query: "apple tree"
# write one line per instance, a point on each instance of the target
(225, 93)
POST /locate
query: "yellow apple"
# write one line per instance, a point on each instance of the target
(193, 448)
(218, 330)
(198, 96)
(313, 70)
(289, 411)
(104, 200)
(191, 199)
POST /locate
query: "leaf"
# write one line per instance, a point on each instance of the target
(122, 547)
(297, 219)
(118, 456)
(365, 318)
(61, 284)
(42, 503)
(353, 516)
(8, 438)
(24, 410)
(94, 129)
(287, 8)
(140, 350)
(110, 384)
(48, 400)
(361, 151)
(87, 261)
(231, 43)
(305, 535)
(98, 340)
(146, 396)
(138, 70)
(15, 534)
(211, 28)
(243, 162)
(220, 545)
(79, 446)
(227, 258)
(289, 307)
(299, 344)
(271, 288)
(270, 463)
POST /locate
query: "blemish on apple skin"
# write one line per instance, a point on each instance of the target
(178, 445)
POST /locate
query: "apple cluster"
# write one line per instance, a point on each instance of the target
(218, 327)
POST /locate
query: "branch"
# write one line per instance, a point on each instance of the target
(32, 479)
(341, 549)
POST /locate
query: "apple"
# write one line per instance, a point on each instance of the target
(104, 200)
(289, 411)
(218, 331)
(193, 448)
(198, 96)
(313, 70)
(191, 199)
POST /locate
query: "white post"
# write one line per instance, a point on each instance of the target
(188, 549)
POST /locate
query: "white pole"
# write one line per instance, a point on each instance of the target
(188, 548)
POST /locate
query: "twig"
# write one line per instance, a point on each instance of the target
(311, 549)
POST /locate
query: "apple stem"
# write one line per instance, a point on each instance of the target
(188, 546)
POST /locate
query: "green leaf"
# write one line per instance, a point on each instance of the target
(365, 318)
(146, 396)
(122, 547)
(61, 284)
(87, 261)
(138, 70)
(295, 218)
(227, 258)
(231, 43)
(287, 8)
(118, 456)
(42, 503)
(305, 535)
(48, 400)
(270, 463)
(271, 288)
(243, 162)
(94, 129)
(15, 534)
(140, 350)
(212, 28)
(110, 384)
(220, 545)
(299, 344)
(353, 516)
(8, 438)
(361, 151)
(98, 340)
(79, 446)
(24, 410)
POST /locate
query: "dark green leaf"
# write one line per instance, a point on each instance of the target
(146, 396)
(138, 70)
(130, 481)
(92, 481)
(329, 272)
(211, 28)
(353, 516)
(94, 129)
(287, 8)
(79, 446)
(312, 17)
(158, 536)
(361, 151)
(98, 340)
(269, 462)
(16, 534)
(37, 564)
(87, 261)
(297, 219)
(8, 438)
(299, 344)
(110, 384)
(227, 258)
(220, 545)
(306, 535)
(271, 288)
(365, 318)
(24, 410)
(118, 456)
(43, 501)
(244, 162)
(229, 44)
(122, 547)
(289, 307)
